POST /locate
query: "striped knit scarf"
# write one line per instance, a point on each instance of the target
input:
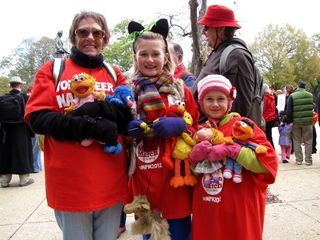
(148, 89)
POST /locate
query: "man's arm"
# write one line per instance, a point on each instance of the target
(289, 110)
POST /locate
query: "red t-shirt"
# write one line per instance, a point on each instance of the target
(152, 178)
(77, 178)
(231, 210)
(269, 108)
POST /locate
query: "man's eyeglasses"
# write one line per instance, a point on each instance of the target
(84, 33)
(205, 28)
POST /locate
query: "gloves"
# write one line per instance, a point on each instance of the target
(104, 109)
(96, 109)
(102, 129)
(135, 129)
(169, 126)
(221, 151)
(123, 117)
(199, 152)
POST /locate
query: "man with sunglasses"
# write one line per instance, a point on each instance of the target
(219, 29)
(85, 186)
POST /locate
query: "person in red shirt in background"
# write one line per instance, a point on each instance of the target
(314, 121)
(180, 70)
(229, 210)
(269, 112)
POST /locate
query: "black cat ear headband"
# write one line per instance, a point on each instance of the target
(135, 29)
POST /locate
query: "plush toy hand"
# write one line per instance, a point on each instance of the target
(136, 129)
(169, 126)
(221, 151)
(96, 109)
(200, 151)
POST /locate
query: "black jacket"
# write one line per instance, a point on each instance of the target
(239, 71)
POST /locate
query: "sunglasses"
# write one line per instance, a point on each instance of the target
(84, 33)
(205, 28)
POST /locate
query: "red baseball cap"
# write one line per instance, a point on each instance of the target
(219, 16)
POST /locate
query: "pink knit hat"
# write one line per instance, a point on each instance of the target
(218, 83)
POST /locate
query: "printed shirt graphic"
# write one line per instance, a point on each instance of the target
(225, 203)
(77, 178)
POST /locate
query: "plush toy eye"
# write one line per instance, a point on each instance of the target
(82, 77)
(243, 124)
(75, 78)
(180, 103)
(129, 98)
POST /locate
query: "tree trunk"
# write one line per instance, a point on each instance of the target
(196, 30)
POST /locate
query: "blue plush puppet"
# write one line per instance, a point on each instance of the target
(123, 98)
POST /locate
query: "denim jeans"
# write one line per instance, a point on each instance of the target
(179, 229)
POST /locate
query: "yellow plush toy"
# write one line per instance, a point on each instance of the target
(183, 146)
(82, 86)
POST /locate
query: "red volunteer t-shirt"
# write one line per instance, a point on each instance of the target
(228, 210)
(77, 178)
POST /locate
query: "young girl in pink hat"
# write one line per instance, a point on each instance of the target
(229, 210)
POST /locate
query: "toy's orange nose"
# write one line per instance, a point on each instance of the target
(237, 123)
(181, 108)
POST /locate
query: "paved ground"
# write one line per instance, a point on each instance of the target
(294, 213)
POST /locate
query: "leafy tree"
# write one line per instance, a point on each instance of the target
(27, 58)
(316, 40)
(4, 86)
(120, 51)
(285, 55)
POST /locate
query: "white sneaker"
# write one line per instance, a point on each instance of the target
(237, 178)
(227, 173)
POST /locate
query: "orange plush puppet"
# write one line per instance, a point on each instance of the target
(242, 132)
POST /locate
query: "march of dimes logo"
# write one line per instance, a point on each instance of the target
(148, 157)
(215, 187)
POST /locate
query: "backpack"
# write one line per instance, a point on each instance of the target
(58, 67)
(12, 108)
(256, 110)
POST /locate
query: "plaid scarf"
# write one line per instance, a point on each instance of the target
(148, 89)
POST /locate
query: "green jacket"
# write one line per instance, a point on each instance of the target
(302, 107)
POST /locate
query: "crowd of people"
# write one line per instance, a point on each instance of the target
(88, 187)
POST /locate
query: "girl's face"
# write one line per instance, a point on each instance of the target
(89, 37)
(150, 57)
(215, 104)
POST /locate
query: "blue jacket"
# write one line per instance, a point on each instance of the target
(285, 134)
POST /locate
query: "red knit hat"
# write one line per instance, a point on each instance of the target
(218, 83)
(219, 16)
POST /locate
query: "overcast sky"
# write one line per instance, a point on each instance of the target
(22, 19)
